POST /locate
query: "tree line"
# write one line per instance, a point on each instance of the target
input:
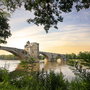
(82, 55)
(13, 57)
(8, 57)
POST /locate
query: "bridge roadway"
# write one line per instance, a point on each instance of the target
(21, 54)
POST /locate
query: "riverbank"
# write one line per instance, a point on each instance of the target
(40, 81)
(81, 61)
(29, 79)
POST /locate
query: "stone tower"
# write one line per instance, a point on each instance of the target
(34, 52)
(32, 49)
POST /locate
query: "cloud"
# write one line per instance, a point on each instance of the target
(34, 33)
(71, 35)
(19, 19)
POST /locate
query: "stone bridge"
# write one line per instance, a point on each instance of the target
(52, 56)
(15, 51)
(33, 51)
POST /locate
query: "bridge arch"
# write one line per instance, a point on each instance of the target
(45, 55)
(19, 57)
(59, 57)
(12, 51)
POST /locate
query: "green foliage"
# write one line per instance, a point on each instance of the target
(83, 72)
(71, 62)
(85, 63)
(84, 55)
(83, 81)
(39, 81)
(28, 67)
(8, 57)
(57, 81)
(57, 57)
(78, 84)
(46, 12)
(4, 75)
(4, 27)
(71, 56)
(41, 57)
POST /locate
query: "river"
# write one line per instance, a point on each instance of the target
(12, 65)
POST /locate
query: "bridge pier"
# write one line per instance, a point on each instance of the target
(53, 60)
(28, 58)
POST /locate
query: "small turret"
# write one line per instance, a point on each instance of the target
(28, 43)
(27, 47)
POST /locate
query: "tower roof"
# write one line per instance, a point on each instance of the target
(28, 42)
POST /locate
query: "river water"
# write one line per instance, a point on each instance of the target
(12, 65)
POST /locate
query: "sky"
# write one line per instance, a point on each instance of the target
(72, 35)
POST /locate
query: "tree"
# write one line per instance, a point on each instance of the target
(4, 27)
(84, 55)
(68, 56)
(73, 56)
(80, 55)
(47, 12)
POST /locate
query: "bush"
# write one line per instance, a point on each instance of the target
(4, 75)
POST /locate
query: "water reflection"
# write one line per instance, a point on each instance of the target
(36, 67)
(10, 65)
(56, 66)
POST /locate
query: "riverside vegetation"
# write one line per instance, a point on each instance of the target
(8, 57)
(83, 56)
(29, 79)
(13, 57)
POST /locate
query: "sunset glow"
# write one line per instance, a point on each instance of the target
(72, 35)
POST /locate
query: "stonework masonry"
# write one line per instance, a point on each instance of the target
(32, 50)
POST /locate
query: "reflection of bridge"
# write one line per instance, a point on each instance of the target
(33, 51)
